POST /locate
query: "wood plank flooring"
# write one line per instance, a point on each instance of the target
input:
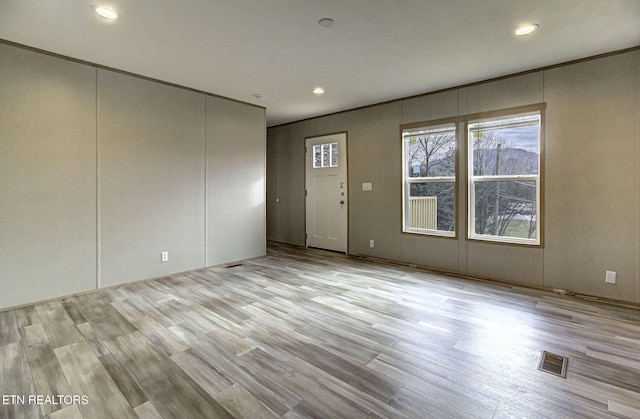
(314, 334)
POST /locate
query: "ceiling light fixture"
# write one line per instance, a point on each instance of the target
(325, 22)
(318, 91)
(105, 12)
(526, 29)
(260, 96)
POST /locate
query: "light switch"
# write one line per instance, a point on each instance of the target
(366, 186)
(610, 277)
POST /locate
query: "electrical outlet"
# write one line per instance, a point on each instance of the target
(164, 257)
(610, 277)
(371, 243)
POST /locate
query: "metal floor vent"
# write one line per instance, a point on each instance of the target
(553, 364)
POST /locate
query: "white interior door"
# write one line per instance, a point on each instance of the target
(326, 183)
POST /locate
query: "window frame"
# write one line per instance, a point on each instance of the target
(472, 180)
(322, 159)
(407, 181)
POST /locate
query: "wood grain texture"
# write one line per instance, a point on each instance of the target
(147, 411)
(269, 391)
(69, 412)
(210, 378)
(172, 392)
(34, 335)
(92, 338)
(27, 316)
(314, 334)
(9, 332)
(126, 383)
(243, 404)
(16, 380)
(87, 376)
(47, 375)
(60, 329)
(159, 335)
(104, 319)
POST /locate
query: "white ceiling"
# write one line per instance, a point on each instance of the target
(377, 50)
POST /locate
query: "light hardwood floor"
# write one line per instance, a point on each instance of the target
(306, 333)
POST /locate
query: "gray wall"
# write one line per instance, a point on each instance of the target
(151, 143)
(592, 184)
(47, 177)
(235, 181)
(101, 171)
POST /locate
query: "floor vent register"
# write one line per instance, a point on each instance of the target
(553, 364)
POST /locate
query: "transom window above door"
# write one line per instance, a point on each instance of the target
(325, 155)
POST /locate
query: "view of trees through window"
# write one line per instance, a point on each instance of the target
(503, 178)
(503, 186)
(430, 164)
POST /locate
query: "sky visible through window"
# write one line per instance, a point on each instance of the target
(526, 137)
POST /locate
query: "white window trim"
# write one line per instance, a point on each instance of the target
(471, 180)
(407, 181)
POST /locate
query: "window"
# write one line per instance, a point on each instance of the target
(325, 155)
(504, 179)
(429, 178)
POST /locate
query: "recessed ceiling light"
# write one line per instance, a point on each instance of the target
(105, 12)
(318, 91)
(526, 29)
(326, 22)
(260, 96)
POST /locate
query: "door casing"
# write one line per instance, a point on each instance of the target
(342, 139)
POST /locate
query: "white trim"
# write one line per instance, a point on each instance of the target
(406, 135)
(442, 233)
(505, 178)
(431, 179)
(529, 118)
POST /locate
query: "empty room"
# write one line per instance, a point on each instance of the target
(320, 209)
